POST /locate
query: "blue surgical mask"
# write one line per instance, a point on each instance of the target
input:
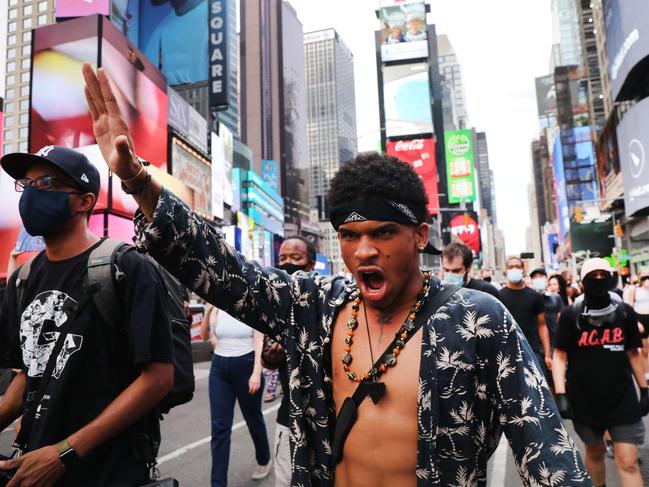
(515, 275)
(540, 283)
(454, 279)
(43, 212)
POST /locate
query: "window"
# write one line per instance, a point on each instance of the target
(10, 80)
(11, 67)
(13, 13)
(8, 148)
(24, 90)
(11, 53)
(27, 23)
(42, 6)
(22, 147)
(10, 93)
(9, 134)
(24, 77)
(9, 107)
(12, 27)
(42, 19)
(9, 121)
(13, 2)
(24, 105)
(26, 50)
(11, 40)
(27, 10)
(22, 133)
(27, 36)
(25, 63)
(24, 118)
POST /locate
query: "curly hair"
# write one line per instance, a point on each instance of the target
(372, 175)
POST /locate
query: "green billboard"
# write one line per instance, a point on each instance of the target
(460, 169)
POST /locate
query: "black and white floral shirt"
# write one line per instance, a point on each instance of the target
(478, 376)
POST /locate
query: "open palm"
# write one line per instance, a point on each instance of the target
(110, 128)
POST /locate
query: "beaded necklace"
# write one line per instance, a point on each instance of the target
(400, 338)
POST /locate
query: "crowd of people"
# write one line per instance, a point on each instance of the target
(394, 377)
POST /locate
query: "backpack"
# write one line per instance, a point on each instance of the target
(103, 263)
(620, 309)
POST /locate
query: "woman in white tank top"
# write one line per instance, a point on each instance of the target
(638, 297)
(235, 376)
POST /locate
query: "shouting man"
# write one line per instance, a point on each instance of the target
(456, 371)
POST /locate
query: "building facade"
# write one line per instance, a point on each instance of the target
(451, 73)
(485, 177)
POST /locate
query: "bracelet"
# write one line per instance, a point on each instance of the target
(136, 176)
(138, 189)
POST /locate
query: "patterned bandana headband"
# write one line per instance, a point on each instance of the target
(378, 210)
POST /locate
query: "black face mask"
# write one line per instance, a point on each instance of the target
(43, 212)
(290, 268)
(488, 278)
(596, 292)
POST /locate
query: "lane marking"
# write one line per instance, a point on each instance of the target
(182, 450)
(499, 464)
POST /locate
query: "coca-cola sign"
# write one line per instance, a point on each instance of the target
(420, 154)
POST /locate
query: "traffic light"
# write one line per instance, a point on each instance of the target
(618, 230)
(579, 214)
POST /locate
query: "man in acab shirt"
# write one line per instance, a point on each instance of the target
(598, 339)
(79, 426)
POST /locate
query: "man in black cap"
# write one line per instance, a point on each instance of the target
(85, 389)
(394, 379)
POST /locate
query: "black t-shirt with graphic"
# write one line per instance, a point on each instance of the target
(525, 305)
(600, 380)
(96, 363)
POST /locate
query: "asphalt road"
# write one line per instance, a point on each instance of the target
(185, 451)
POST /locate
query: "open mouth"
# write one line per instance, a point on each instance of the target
(372, 283)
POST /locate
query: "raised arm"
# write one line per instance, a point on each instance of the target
(184, 243)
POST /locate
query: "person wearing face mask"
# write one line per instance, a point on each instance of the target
(296, 254)
(598, 341)
(84, 388)
(457, 259)
(553, 302)
(638, 297)
(528, 308)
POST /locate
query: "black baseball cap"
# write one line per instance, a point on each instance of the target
(73, 163)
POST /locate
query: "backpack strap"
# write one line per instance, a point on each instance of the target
(21, 284)
(101, 284)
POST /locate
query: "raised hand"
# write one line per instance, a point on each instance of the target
(110, 127)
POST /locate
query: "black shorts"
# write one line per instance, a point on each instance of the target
(644, 319)
(622, 433)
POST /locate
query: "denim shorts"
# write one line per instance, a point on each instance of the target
(621, 433)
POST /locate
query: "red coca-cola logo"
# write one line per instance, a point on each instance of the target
(409, 145)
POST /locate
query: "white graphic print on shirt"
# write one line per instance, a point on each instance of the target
(39, 327)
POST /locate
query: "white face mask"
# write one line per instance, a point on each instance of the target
(514, 275)
(540, 283)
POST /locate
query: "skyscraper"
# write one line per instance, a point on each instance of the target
(485, 177)
(331, 122)
(21, 19)
(451, 72)
(566, 39)
(272, 102)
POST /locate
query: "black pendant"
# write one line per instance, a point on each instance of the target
(375, 390)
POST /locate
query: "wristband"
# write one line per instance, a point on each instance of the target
(67, 455)
(138, 189)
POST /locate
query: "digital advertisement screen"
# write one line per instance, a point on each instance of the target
(460, 168)
(546, 96)
(81, 8)
(407, 100)
(166, 29)
(403, 30)
(193, 170)
(59, 52)
(218, 175)
(609, 171)
(634, 157)
(125, 15)
(420, 154)
(466, 228)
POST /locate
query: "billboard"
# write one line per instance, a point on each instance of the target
(609, 172)
(563, 213)
(627, 40)
(166, 29)
(466, 228)
(228, 142)
(218, 54)
(634, 151)
(186, 120)
(407, 100)
(403, 30)
(81, 8)
(125, 15)
(218, 175)
(59, 52)
(270, 173)
(420, 154)
(546, 96)
(193, 170)
(460, 168)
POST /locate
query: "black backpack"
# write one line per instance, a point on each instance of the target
(102, 263)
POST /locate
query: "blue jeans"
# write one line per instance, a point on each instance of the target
(229, 383)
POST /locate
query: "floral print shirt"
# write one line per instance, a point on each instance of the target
(478, 376)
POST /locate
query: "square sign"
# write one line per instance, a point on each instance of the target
(460, 168)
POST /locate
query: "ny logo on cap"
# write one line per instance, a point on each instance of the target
(44, 152)
(85, 178)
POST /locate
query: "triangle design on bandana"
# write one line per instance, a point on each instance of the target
(355, 217)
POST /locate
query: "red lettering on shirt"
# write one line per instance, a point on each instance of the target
(606, 337)
(583, 340)
(617, 335)
(592, 338)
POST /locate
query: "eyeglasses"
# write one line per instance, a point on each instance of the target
(42, 183)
